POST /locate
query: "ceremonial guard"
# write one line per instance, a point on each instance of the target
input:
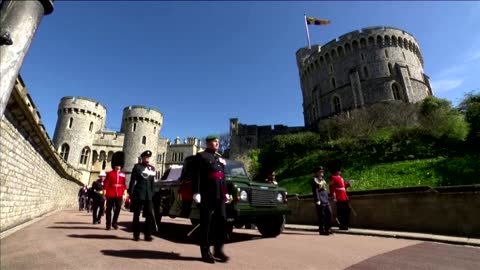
(115, 187)
(338, 191)
(210, 193)
(320, 197)
(140, 190)
(98, 198)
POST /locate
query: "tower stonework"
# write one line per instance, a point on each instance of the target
(79, 119)
(141, 126)
(358, 69)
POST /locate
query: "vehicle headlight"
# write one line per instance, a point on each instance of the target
(243, 195)
(280, 197)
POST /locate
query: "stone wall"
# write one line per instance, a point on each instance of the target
(444, 211)
(34, 180)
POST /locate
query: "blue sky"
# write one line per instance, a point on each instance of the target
(202, 63)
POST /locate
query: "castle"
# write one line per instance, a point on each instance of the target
(358, 69)
(83, 141)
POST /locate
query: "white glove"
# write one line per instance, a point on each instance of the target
(350, 182)
(319, 203)
(228, 198)
(197, 198)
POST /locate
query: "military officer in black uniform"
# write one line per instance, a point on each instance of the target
(140, 190)
(210, 193)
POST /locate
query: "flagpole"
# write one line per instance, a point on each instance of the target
(306, 28)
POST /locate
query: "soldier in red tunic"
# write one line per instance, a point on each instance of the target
(114, 186)
(338, 192)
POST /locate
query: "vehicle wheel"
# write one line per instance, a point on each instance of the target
(271, 226)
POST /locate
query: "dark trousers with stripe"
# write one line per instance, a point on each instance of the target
(343, 214)
(212, 226)
(114, 204)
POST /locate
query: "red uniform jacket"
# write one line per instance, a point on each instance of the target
(114, 184)
(338, 187)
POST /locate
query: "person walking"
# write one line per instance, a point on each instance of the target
(115, 187)
(140, 190)
(98, 198)
(338, 192)
(82, 198)
(320, 197)
(210, 193)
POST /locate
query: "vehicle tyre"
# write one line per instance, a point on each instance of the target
(271, 226)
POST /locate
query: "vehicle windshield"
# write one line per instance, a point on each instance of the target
(235, 168)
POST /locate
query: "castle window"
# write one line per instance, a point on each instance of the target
(394, 41)
(331, 68)
(371, 41)
(64, 151)
(154, 130)
(404, 58)
(334, 54)
(348, 48)
(109, 156)
(144, 140)
(104, 164)
(94, 157)
(91, 126)
(159, 158)
(390, 69)
(365, 72)
(337, 107)
(340, 51)
(70, 122)
(334, 84)
(84, 156)
(134, 127)
(408, 70)
(379, 41)
(181, 156)
(363, 43)
(386, 53)
(355, 45)
(363, 56)
(396, 91)
(102, 155)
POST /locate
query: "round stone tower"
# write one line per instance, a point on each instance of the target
(79, 118)
(141, 126)
(360, 68)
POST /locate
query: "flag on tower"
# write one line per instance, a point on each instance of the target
(315, 21)
(312, 20)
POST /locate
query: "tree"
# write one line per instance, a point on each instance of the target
(470, 107)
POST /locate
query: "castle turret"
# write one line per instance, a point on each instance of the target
(358, 69)
(141, 126)
(78, 120)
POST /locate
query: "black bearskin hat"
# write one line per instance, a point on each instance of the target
(118, 159)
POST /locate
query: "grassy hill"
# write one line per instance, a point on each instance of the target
(426, 172)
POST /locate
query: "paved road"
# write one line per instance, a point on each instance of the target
(68, 240)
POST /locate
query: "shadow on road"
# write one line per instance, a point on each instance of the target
(98, 236)
(147, 254)
(177, 233)
(77, 227)
(71, 222)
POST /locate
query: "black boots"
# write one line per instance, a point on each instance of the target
(207, 255)
(219, 255)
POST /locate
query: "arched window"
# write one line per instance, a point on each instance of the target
(340, 51)
(104, 164)
(102, 155)
(85, 154)
(334, 53)
(396, 91)
(94, 157)
(337, 107)
(334, 84)
(64, 151)
(348, 48)
(355, 45)
(379, 41)
(386, 53)
(394, 41)
(134, 127)
(91, 126)
(363, 43)
(70, 122)
(371, 41)
(109, 156)
(144, 140)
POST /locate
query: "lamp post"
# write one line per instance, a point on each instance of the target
(19, 21)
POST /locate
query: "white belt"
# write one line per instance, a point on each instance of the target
(341, 188)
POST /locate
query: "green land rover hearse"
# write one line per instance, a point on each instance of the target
(261, 204)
